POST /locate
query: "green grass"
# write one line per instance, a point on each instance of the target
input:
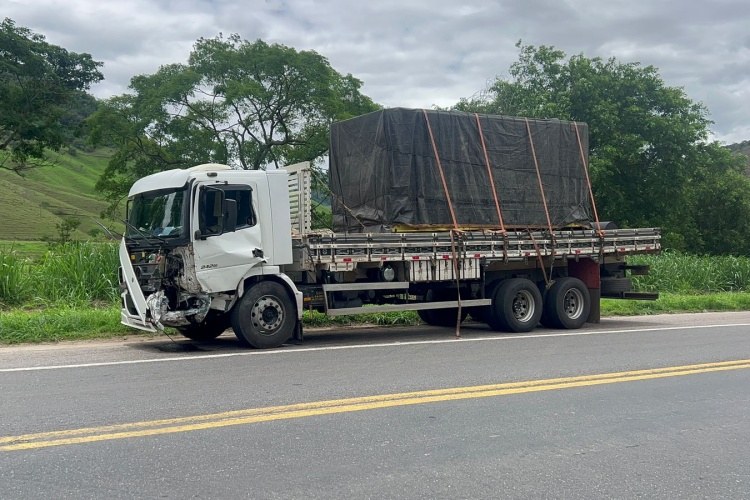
(669, 303)
(72, 274)
(14, 277)
(61, 323)
(674, 272)
(30, 249)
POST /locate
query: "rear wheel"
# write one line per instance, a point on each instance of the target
(516, 306)
(265, 316)
(212, 326)
(567, 304)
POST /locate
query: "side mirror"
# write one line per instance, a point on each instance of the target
(230, 215)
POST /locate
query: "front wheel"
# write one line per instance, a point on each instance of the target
(516, 306)
(265, 316)
(211, 327)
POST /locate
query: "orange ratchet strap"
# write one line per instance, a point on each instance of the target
(440, 170)
(588, 181)
(539, 178)
(489, 172)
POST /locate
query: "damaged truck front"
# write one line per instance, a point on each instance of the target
(205, 214)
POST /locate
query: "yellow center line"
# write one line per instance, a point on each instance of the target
(301, 410)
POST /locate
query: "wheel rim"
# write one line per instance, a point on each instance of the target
(523, 306)
(267, 314)
(573, 303)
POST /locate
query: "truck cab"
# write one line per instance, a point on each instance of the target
(196, 241)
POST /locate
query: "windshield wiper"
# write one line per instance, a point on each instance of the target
(143, 235)
(109, 233)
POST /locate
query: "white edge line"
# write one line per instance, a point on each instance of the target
(576, 333)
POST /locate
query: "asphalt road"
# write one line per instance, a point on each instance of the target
(639, 407)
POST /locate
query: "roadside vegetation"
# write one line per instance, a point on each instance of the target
(73, 274)
(70, 291)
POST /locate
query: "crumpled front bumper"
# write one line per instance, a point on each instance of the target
(161, 315)
(152, 313)
(135, 321)
(157, 314)
(134, 312)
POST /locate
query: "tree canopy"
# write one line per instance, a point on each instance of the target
(248, 104)
(41, 87)
(254, 104)
(650, 159)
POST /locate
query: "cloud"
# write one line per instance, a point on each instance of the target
(422, 53)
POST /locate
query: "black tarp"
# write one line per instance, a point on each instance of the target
(384, 175)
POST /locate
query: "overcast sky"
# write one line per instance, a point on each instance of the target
(424, 52)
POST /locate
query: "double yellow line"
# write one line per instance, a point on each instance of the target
(271, 413)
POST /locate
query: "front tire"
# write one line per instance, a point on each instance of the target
(265, 316)
(516, 306)
(212, 326)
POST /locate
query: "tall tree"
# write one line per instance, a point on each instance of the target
(249, 104)
(40, 84)
(648, 141)
(718, 203)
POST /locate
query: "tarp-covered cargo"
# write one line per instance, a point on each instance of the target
(399, 169)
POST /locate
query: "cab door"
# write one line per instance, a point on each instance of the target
(227, 239)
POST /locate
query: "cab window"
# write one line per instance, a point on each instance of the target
(211, 210)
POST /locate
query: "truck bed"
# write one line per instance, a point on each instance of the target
(343, 250)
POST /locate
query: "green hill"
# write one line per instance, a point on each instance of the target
(31, 206)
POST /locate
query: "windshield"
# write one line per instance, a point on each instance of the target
(158, 213)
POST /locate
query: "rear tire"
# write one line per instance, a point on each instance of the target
(212, 326)
(516, 306)
(567, 304)
(265, 316)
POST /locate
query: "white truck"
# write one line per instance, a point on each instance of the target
(210, 247)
